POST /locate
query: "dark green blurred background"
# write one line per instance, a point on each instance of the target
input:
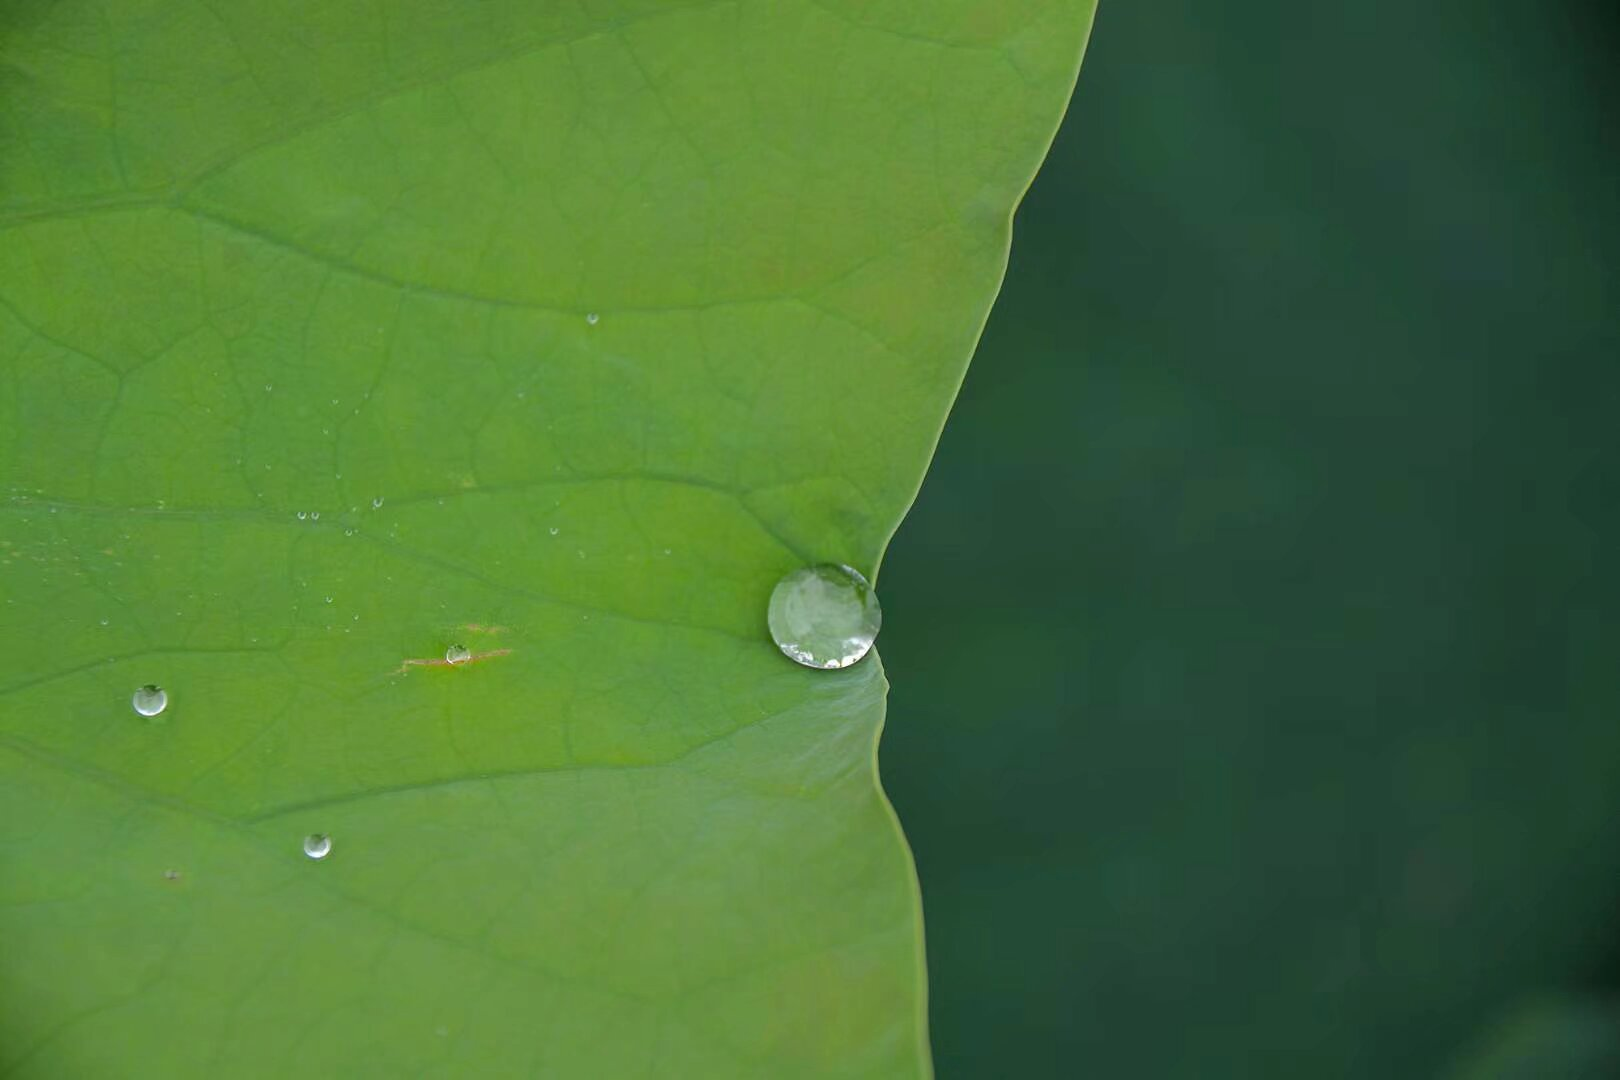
(1254, 641)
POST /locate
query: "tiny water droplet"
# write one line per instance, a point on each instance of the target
(376, 504)
(302, 515)
(104, 622)
(317, 845)
(328, 599)
(348, 532)
(457, 654)
(268, 388)
(150, 700)
(314, 515)
(171, 875)
(593, 318)
(824, 616)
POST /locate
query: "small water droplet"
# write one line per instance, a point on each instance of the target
(348, 532)
(317, 845)
(171, 875)
(376, 504)
(554, 530)
(268, 388)
(104, 622)
(314, 515)
(328, 599)
(592, 319)
(824, 616)
(457, 654)
(150, 700)
(302, 515)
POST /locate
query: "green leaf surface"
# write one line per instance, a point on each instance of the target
(1565, 1038)
(334, 334)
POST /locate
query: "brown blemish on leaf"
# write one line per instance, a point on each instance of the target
(439, 661)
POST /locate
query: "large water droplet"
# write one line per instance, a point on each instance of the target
(457, 654)
(150, 700)
(317, 845)
(824, 616)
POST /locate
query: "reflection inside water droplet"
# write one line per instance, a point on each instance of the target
(824, 616)
(150, 700)
(457, 654)
(317, 845)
